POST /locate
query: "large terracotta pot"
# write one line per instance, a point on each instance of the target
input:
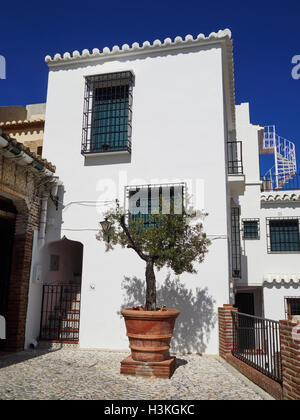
(150, 333)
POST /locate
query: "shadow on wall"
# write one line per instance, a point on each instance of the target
(197, 316)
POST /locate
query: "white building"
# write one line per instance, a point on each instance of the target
(269, 285)
(150, 115)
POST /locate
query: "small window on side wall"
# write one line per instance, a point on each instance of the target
(292, 307)
(250, 228)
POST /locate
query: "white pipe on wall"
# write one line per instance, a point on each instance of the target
(43, 220)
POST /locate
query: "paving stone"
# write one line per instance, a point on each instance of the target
(74, 374)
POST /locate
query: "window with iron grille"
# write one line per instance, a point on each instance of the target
(107, 113)
(283, 234)
(292, 306)
(146, 201)
(250, 228)
(236, 242)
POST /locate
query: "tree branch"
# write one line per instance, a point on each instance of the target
(131, 241)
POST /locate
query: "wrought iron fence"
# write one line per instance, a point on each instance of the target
(256, 341)
(60, 313)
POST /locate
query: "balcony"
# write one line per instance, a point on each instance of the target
(236, 178)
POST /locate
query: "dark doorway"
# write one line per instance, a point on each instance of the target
(245, 303)
(246, 333)
(7, 227)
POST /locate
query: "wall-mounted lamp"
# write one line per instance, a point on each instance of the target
(107, 229)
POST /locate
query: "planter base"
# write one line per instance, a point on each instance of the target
(163, 369)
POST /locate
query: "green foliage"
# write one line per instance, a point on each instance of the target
(170, 240)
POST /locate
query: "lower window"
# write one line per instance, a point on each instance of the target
(283, 235)
(292, 306)
(146, 201)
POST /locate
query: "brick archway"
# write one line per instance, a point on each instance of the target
(25, 222)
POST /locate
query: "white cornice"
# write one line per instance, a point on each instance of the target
(221, 38)
(178, 43)
(282, 278)
(280, 196)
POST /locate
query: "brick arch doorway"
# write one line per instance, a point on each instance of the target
(16, 233)
(61, 276)
(8, 213)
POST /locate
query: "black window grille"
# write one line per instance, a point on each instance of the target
(236, 242)
(146, 201)
(107, 113)
(250, 228)
(283, 234)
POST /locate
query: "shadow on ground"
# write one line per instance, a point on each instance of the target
(197, 315)
(12, 358)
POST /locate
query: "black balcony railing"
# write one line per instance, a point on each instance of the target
(279, 183)
(256, 341)
(235, 158)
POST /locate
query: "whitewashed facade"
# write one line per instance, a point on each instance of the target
(183, 131)
(270, 265)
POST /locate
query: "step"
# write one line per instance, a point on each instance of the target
(68, 305)
(58, 344)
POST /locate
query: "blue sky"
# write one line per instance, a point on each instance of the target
(266, 36)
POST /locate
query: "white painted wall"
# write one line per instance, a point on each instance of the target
(35, 292)
(40, 268)
(178, 135)
(274, 297)
(256, 261)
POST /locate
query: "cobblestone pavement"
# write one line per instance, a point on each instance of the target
(91, 374)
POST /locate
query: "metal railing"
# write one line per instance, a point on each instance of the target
(256, 341)
(236, 253)
(60, 313)
(234, 157)
(278, 183)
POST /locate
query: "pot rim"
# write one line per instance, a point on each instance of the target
(132, 313)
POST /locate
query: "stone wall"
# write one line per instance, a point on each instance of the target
(24, 187)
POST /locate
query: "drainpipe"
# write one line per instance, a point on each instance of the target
(43, 220)
(44, 209)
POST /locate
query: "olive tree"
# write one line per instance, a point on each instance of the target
(169, 240)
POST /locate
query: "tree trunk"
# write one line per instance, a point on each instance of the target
(150, 286)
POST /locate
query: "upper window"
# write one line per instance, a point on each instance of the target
(283, 235)
(250, 228)
(107, 113)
